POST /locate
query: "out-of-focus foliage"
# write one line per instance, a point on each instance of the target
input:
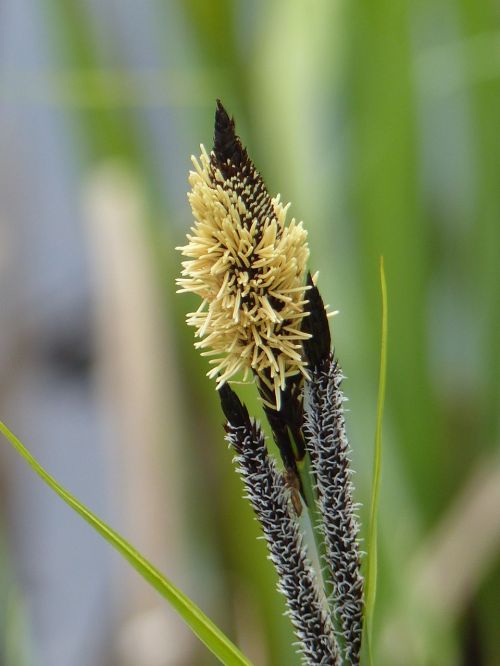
(14, 640)
(379, 121)
(202, 626)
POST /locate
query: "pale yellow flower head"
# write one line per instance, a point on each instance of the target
(247, 265)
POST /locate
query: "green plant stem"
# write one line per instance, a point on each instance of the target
(306, 479)
(371, 564)
(304, 469)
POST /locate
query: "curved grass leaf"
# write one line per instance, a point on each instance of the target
(197, 621)
(371, 564)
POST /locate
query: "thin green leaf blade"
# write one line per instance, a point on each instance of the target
(215, 640)
(371, 565)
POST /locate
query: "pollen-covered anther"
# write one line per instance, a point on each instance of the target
(248, 266)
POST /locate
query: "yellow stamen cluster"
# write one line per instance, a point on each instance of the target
(249, 267)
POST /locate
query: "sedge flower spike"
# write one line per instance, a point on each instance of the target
(271, 500)
(326, 441)
(261, 312)
(247, 264)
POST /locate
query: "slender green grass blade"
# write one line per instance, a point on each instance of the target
(197, 621)
(371, 565)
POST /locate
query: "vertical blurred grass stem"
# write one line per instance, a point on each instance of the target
(371, 564)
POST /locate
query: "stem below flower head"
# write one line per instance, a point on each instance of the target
(286, 425)
(304, 469)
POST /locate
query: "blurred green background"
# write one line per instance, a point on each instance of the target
(380, 122)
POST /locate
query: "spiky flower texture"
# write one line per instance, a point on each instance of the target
(269, 496)
(247, 265)
(259, 314)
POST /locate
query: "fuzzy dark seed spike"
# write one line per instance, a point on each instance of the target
(269, 495)
(326, 438)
